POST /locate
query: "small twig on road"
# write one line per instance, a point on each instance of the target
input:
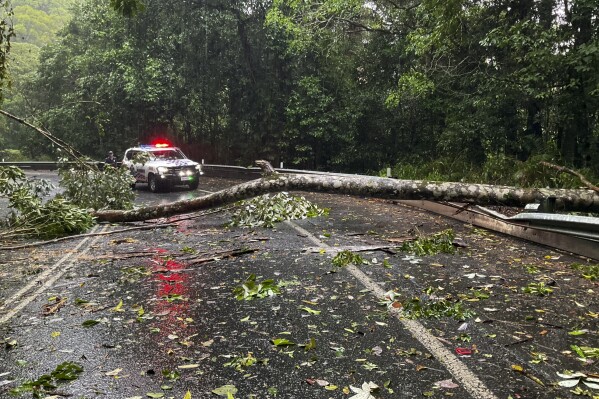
(224, 255)
(549, 325)
(354, 248)
(518, 342)
(50, 309)
(210, 258)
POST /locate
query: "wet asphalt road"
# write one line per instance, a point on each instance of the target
(150, 313)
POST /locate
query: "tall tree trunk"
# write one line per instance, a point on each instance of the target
(582, 200)
(577, 129)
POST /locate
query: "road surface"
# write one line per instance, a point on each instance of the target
(153, 312)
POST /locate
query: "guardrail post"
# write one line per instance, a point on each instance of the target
(281, 164)
(388, 172)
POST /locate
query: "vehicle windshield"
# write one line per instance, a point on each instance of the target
(167, 154)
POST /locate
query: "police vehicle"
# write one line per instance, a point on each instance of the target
(162, 166)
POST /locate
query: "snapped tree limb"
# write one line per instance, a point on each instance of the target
(563, 169)
(68, 149)
(364, 186)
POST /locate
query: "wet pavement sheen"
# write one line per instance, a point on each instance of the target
(149, 312)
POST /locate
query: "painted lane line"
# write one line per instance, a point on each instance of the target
(471, 383)
(45, 274)
(70, 258)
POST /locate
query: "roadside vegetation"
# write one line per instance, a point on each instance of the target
(496, 170)
(469, 91)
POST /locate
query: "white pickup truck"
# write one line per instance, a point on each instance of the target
(161, 167)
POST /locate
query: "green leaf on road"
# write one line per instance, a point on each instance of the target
(90, 323)
(310, 310)
(226, 390)
(310, 345)
(282, 342)
(119, 307)
(578, 332)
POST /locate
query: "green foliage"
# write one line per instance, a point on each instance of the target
(127, 8)
(171, 375)
(6, 35)
(341, 85)
(433, 307)
(55, 218)
(31, 216)
(91, 188)
(250, 289)
(240, 363)
(586, 352)
(38, 26)
(410, 85)
(13, 179)
(589, 272)
(47, 383)
(497, 169)
(346, 257)
(431, 245)
(9, 155)
(35, 24)
(538, 289)
(265, 211)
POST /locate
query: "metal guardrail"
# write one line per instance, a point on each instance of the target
(581, 241)
(254, 172)
(40, 165)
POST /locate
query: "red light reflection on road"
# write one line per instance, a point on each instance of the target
(172, 293)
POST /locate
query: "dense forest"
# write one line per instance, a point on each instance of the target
(452, 88)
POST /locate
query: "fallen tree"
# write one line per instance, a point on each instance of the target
(363, 186)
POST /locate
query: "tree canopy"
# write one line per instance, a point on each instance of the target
(342, 85)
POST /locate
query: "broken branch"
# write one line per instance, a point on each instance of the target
(563, 169)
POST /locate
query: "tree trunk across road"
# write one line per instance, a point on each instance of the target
(364, 186)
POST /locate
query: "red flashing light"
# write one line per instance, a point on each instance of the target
(161, 143)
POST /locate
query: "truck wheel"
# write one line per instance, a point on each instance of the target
(153, 184)
(133, 172)
(194, 184)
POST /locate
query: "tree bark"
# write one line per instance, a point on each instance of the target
(364, 186)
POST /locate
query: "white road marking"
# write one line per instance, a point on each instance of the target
(70, 258)
(452, 363)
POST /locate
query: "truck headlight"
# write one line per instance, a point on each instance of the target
(162, 169)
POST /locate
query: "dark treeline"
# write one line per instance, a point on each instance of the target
(342, 85)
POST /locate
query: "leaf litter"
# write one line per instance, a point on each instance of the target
(331, 325)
